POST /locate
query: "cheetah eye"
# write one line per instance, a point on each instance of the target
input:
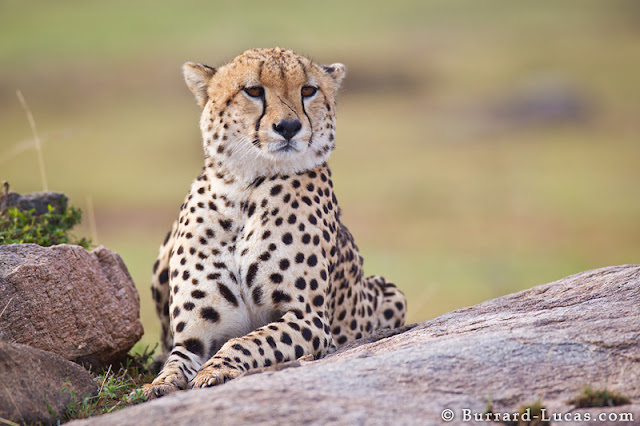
(254, 92)
(308, 91)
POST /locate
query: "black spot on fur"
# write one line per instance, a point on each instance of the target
(301, 283)
(251, 274)
(306, 334)
(284, 264)
(271, 342)
(276, 190)
(227, 294)
(163, 278)
(286, 339)
(256, 294)
(210, 314)
(313, 284)
(265, 256)
(194, 346)
(318, 323)
(278, 296)
(198, 294)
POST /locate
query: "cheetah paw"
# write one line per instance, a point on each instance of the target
(209, 376)
(152, 391)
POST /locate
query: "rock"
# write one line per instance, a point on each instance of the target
(542, 101)
(543, 344)
(539, 102)
(79, 304)
(31, 379)
(40, 201)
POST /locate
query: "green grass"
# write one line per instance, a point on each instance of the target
(118, 388)
(598, 398)
(452, 209)
(47, 229)
(530, 415)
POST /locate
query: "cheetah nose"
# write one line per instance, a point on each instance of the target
(288, 128)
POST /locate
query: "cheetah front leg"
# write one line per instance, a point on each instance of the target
(291, 337)
(205, 309)
(195, 342)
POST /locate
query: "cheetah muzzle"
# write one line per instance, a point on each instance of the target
(258, 269)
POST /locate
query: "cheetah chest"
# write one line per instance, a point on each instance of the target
(254, 256)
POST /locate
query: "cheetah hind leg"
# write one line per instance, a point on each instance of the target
(393, 308)
(161, 296)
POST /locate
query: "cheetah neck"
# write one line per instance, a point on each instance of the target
(239, 167)
(243, 162)
(239, 186)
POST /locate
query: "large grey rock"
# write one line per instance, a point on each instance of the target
(545, 343)
(79, 304)
(32, 382)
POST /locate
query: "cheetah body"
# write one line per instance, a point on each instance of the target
(258, 269)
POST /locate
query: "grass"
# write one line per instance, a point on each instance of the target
(453, 210)
(118, 389)
(527, 415)
(530, 415)
(598, 398)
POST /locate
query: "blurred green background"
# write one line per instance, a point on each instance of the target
(483, 147)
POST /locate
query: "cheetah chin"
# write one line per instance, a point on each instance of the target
(285, 147)
(258, 268)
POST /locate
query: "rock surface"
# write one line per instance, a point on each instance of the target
(31, 379)
(79, 304)
(543, 344)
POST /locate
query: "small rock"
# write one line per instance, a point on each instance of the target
(39, 201)
(79, 304)
(540, 102)
(32, 381)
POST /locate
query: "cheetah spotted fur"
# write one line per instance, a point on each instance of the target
(258, 269)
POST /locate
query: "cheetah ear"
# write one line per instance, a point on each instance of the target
(336, 71)
(197, 77)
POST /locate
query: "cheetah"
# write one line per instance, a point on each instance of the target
(258, 269)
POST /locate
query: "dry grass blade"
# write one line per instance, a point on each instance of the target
(8, 422)
(106, 376)
(36, 138)
(5, 307)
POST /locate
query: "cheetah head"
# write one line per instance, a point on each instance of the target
(268, 111)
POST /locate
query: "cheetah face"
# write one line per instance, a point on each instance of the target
(268, 111)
